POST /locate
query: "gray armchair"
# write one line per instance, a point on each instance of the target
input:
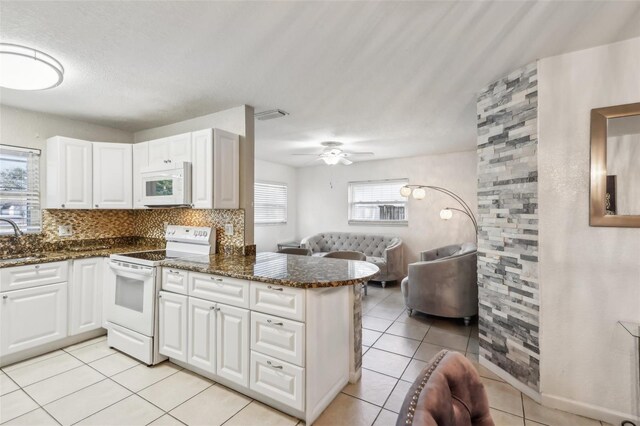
(444, 282)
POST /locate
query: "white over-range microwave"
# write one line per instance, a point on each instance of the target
(167, 186)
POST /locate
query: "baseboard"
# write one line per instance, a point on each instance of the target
(354, 377)
(6, 360)
(587, 410)
(511, 380)
(561, 403)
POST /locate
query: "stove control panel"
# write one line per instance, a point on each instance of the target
(190, 234)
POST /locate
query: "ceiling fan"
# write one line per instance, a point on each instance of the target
(332, 154)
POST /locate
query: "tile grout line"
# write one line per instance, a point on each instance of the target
(238, 412)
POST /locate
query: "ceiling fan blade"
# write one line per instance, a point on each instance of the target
(345, 161)
(359, 153)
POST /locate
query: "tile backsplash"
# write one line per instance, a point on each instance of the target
(114, 224)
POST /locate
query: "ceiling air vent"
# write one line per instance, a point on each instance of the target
(270, 115)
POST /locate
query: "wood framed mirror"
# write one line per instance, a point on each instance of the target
(615, 166)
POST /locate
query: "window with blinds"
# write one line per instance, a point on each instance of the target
(20, 189)
(377, 202)
(270, 203)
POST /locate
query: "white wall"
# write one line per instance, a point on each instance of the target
(268, 236)
(238, 120)
(589, 276)
(31, 129)
(323, 199)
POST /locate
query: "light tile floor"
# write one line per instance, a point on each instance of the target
(90, 384)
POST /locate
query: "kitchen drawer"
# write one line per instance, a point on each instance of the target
(132, 343)
(174, 280)
(278, 337)
(287, 302)
(26, 276)
(230, 291)
(278, 380)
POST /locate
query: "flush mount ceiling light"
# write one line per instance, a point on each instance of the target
(24, 68)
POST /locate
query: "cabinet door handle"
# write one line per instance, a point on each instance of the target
(275, 288)
(5, 297)
(96, 206)
(37, 267)
(212, 308)
(168, 161)
(159, 296)
(62, 205)
(274, 323)
(274, 366)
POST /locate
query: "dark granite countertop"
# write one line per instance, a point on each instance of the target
(282, 269)
(80, 253)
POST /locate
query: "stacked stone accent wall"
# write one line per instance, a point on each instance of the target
(508, 225)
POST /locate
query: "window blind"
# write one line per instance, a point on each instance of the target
(20, 189)
(377, 201)
(270, 203)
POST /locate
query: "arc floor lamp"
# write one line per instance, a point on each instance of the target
(419, 192)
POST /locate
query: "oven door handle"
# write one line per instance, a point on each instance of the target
(130, 271)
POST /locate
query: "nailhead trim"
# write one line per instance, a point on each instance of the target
(416, 393)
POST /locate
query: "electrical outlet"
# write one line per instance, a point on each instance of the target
(228, 229)
(65, 230)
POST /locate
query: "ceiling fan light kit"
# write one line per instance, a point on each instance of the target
(25, 68)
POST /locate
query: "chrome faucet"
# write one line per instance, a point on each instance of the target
(16, 230)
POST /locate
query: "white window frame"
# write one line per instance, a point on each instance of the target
(32, 194)
(378, 222)
(257, 205)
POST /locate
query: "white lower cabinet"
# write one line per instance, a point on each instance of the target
(32, 317)
(290, 349)
(85, 295)
(202, 334)
(172, 329)
(232, 339)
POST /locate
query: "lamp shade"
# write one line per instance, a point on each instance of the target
(446, 214)
(419, 193)
(405, 191)
(24, 68)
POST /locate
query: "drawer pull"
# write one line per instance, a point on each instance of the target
(37, 267)
(274, 366)
(275, 288)
(217, 279)
(174, 272)
(5, 297)
(274, 323)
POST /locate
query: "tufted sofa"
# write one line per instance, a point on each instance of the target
(383, 251)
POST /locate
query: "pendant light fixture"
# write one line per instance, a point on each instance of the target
(24, 68)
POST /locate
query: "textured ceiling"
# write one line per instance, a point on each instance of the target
(398, 79)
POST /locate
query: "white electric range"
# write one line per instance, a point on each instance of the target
(131, 290)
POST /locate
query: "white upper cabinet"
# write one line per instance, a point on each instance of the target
(112, 175)
(202, 169)
(216, 169)
(170, 150)
(140, 161)
(226, 170)
(69, 173)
